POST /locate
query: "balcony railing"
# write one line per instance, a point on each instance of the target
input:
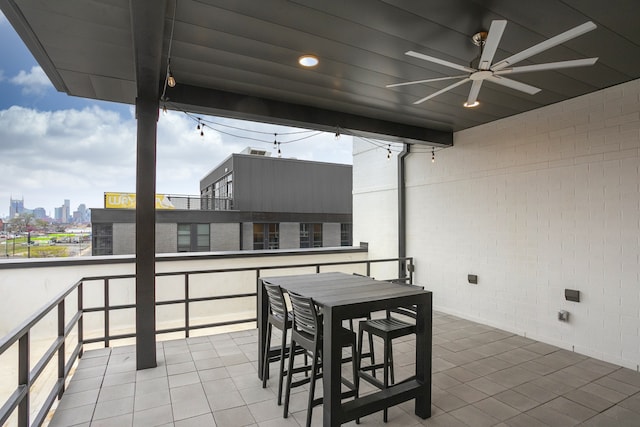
(20, 400)
(201, 203)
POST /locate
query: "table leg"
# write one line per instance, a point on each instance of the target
(423, 355)
(331, 366)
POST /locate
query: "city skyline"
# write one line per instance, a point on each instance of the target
(63, 213)
(57, 147)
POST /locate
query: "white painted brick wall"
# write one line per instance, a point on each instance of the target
(532, 204)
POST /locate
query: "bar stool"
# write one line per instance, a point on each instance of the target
(388, 329)
(280, 318)
(307, 333)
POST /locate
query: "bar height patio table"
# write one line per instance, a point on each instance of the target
(343, 296)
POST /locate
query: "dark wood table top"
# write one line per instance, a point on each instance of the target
(337, 289)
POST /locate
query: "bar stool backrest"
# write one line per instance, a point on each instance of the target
(277, 304)
(305, 315)
(405, 311)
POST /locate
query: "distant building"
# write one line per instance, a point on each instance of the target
(39, 213)
(249, 201)
(57, 214)
(16, 207)
(82, 215)
(62, 214)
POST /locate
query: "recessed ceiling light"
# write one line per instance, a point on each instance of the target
(308, 61)
(473, 104)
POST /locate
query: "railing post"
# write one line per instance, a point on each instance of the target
(318, 268)
(106, 313)
(368, 269)
(61, 351)
(81, 319)
(410, 270)
(186, 305)
(23, 379)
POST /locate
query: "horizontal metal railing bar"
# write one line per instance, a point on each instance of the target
(203, 299)
(44, 360)
(111, 307)
(48, 403)
(171, 330)
(273, 267)
(72, 359)
(17, 333)
(72, 323)
(111, 337)
(117, 276)
(227, 323)
(204, 326)
(12, 403)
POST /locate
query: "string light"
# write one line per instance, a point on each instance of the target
(279, 152)
(198, 127)
(275, 141)
(338, 132)
(433, 155)
(202, 130)
(169, 80)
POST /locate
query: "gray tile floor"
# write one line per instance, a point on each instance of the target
(482, 376)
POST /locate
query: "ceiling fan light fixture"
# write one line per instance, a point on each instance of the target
(308, 61)
(472, 105)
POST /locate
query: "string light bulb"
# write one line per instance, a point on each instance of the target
(388, 151)
(202, 130)
(433, 155)
(275, 141)
(171, 81)
(337, 133)
(198, 127)
(279, 152)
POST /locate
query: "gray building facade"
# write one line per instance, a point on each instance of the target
(249, 201)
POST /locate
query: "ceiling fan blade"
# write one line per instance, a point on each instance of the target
(548, 66)
(522, 87)
(491, 44)
(426, 81)
(433, 95)
(473, 93)
(439, 61)
(547, 44)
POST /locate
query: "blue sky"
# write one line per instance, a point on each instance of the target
(55, 147)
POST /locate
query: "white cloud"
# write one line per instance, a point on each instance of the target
(81, 154)
(34, 82)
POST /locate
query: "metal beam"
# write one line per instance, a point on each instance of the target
(147, 25)
(228, 104)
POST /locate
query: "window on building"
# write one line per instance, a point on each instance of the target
(310, 235)
(102, 239)
(266, 236)
(223, 193)
(346, 234)
(193, 237)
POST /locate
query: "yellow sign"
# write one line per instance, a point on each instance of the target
(128, 201)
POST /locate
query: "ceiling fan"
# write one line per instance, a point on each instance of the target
(482, 68)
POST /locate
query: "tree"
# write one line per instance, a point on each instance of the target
(22, 223)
